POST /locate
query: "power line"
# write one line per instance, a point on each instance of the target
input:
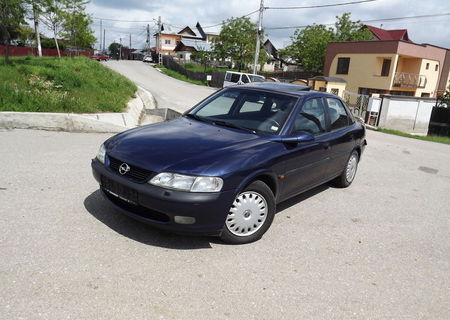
(366, 21)
(321, 6)
(245, 15)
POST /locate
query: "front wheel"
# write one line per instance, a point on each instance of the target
(348, 175)
(250, 215)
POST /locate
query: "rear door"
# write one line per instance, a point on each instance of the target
(341, 135)
(307, 162)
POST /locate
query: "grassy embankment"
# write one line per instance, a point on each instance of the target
(48, 84)
(445, 140)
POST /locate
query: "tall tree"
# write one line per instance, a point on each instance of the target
(347, 30)
(236, 41)
(309, 45)
(76, 25)
(12, 13)
(52, 15)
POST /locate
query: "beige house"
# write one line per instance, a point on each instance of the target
(168, 40)
(328, 84)
(397, 67)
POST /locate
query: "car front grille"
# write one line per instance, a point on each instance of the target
(135, 173)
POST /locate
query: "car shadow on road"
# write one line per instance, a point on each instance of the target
(100, 209)
(301, 197)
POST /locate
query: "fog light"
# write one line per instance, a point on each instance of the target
(184, 220)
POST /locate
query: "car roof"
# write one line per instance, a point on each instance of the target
(287, 88)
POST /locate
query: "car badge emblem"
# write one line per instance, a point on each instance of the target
(124, 168)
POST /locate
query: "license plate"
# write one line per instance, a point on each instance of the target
(120, 191)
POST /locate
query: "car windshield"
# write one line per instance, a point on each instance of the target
(258, 111)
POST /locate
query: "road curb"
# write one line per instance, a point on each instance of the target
(73, 122)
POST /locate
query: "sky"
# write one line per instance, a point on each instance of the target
(177, 14)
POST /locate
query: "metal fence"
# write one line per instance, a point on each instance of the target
(170, 63)
(357, 103)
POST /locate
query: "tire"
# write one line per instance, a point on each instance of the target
(348, 174)
(250, 215)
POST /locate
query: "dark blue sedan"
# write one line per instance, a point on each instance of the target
(222, 167)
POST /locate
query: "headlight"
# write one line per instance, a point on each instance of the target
(101, 154)
(187, 183)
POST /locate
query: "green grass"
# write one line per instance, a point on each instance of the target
(48, 84)
(439, 139)
(179, 76)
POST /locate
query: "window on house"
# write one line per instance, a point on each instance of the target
(323, 89)
(386, 67)
(427, 66)
(436, 67)
(167, 41)
(342, 66)
(335, 91)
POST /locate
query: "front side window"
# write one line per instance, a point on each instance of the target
(312, 117)
(235, 77)
(254, 110)
(342, 65)
(245, 79)
(338, 116)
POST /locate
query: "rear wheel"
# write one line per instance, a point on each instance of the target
(349, 173)
(250, 215)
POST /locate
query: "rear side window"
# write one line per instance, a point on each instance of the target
(235, 77)
(312, 117)
(338, 115)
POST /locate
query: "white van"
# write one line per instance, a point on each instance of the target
(233, 78)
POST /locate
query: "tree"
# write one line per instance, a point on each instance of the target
(202, 56)
(12, 14)
(309, 45)
(236, 41)
(52, 15)
(443, 100)
(348, 30)
(75, 25)
(25, 36)
(114, 49)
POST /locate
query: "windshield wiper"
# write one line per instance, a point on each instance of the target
(196, 117)
(232, 125)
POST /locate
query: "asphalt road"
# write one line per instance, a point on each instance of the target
(377, 250)
(181, 96)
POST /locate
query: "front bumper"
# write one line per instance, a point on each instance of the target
(158, 207)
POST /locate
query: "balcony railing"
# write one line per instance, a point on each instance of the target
(409, 80)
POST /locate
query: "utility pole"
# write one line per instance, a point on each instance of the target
(104, 37)
(258, 36)
(130, 40)
(100, 42)
(36, 29)
(158, 45)
(148, 38)
(120, 49)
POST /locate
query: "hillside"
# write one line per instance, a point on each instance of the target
(78, 85)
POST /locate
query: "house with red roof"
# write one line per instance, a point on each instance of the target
(390, 64)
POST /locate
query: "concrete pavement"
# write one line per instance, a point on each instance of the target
(377, 250)
(168, 92)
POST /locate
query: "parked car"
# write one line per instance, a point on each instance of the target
(147, 59)
(234, 78)
(100, 57)
(223, 166)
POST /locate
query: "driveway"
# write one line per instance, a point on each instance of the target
(377, 250)
(168, 92)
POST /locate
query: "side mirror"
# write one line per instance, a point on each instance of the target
(298, 137)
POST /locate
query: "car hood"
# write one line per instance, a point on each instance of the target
(184, 146)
